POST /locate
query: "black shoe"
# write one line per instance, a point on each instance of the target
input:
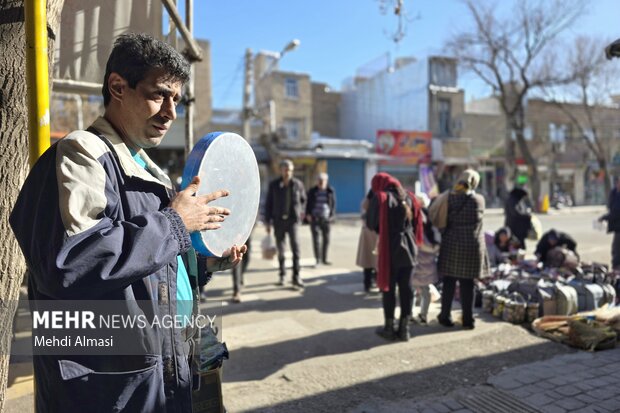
(403, 330)
(422, 319)
(468, 326)
(298, 284)
(446, 322)
(327, 263)
(387, 331)
(280, 283)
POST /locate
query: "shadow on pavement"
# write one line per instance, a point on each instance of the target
(319, 294)
(256, 363)
(414, 386)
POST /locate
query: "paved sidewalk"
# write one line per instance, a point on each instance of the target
(581, 382)
(577, 383)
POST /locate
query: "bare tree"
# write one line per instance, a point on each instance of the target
(13, 157)
(512, 55)
(585, 100)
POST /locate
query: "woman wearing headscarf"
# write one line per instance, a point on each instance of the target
(502, 246)
(462, 254)
(518, 216)
(395, 215)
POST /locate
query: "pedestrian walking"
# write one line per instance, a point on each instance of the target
(284, 208)
(320, 210)
(425, 273)
(238, 273)
(395, 216)
(367, 249)
(98, 221)
(613, 223)
(462, 254)
(518, 215)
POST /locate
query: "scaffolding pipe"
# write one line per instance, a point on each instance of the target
(37, 77)
(189, 109)
(194, 50)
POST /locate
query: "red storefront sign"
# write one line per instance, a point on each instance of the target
(408, 147)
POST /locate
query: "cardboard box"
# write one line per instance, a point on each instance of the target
(207, 394)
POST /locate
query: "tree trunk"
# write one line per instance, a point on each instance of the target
(532, 166)
(13, 158)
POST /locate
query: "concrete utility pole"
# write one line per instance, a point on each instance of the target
(246, 112)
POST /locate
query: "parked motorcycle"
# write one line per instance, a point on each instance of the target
(560, 199)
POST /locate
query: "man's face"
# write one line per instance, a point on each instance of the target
(149, 109)
(322, 183)
(287, 173)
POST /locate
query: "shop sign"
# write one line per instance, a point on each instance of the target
(408, 147)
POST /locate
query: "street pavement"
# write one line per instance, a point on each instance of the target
(316, 350)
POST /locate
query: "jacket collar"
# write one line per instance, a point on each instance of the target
(152, 172)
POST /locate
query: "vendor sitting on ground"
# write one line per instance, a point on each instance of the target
(503, 246)
(552, 239)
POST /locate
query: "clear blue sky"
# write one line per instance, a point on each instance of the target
(339, 36)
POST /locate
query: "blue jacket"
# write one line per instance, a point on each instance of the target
(94, 225)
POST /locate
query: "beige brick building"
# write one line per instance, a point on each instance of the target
(556, 142)
(325, 110)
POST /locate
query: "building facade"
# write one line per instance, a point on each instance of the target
(565, 162)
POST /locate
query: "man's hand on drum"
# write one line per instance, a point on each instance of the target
(235, 254)
(230, 258)
(195, 212)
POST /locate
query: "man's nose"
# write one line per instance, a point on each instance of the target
(168, 109)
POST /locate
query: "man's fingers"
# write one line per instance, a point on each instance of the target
(243, 249)
(214, 218)
(212, 225)
(214, 195)
(218, 211)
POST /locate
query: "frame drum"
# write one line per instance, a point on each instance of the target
(224, 160)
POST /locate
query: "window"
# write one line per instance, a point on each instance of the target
(444, 117)
(291, 88)
(292, 128)
(443, 73)
(528, 134)
(557, 133)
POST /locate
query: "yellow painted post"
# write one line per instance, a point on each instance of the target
(544, 207)
(37, 71)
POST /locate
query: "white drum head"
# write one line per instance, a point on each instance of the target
(224, 160)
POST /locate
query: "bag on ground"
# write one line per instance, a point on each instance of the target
(535, 231)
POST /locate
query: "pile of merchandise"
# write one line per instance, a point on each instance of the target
(593, 330)
(525, 291)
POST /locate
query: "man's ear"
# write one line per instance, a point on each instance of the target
(117, 85)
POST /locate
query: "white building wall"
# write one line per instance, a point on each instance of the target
(389, 100)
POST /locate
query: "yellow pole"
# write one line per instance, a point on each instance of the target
(37, 77)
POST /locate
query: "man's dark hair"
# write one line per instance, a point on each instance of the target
(135, 54)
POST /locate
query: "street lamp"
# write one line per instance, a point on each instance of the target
(248, 111)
